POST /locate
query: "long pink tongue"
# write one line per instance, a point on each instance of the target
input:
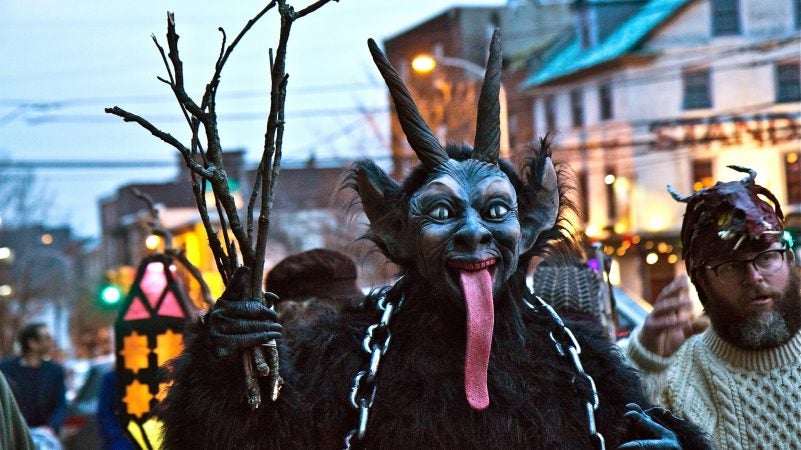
(477, 287)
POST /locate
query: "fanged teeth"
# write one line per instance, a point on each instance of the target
(480, 265)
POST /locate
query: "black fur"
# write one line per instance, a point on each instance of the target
(420, 401)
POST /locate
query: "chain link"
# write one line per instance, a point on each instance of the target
(569, 348)
(375, 343)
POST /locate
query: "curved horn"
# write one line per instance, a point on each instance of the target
(751, 173)
(488, 122)
(422, 140)
(769, 195)
(676, 196)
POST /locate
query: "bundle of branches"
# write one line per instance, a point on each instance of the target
(207, 168)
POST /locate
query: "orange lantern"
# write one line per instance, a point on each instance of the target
(149, 332)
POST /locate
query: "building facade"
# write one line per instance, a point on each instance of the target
(458, 41)
(307, 213)
(651, 93)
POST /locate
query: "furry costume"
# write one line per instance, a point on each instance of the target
(453, 229)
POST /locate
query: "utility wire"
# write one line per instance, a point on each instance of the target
(167, 97)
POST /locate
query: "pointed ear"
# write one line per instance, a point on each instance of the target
(380, 197)
(539, 207)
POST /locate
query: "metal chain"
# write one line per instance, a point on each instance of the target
(375, 343)
(568, 347)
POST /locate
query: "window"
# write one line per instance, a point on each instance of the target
(577, 107)
(788, 81)
(792, 173)
(725, 17)
(550, 113)
(584, 28)
(696, 89)
(797, 4)
(605, 101)
(702, 174)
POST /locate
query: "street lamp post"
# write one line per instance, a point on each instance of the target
(426, 63)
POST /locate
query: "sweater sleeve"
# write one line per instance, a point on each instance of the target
(652, 367)
(642, 358)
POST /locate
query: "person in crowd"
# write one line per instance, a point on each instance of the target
(111, 433)
(14, 432)
(37, 382)
(740, 380)
(312, 283)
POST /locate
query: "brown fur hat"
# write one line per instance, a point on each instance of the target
(319, 273)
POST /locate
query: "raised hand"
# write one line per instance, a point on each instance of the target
(236, 322)
(669, 324)
(651, 435)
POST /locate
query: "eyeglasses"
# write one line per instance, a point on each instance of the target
(764, 263)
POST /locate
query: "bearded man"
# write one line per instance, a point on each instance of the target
(740, 380)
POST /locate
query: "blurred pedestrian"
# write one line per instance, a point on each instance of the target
(14, 432)
(108, 405)
(313, 283)
(740, 380)
(37, 382)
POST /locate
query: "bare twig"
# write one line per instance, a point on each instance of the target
(177, 254)
(209, 167)
(311, 8)
(166, 137)
(180, 256)
(211, 88)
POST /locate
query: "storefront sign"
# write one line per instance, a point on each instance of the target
(755, 129)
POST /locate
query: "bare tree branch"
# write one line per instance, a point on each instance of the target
(166, 137)
(178, 66)
(311, 8)
(211, 88)
(209, 166)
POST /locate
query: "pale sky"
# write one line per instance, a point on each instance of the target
(63, 62)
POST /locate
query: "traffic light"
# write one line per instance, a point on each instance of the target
(110, 293)
(109, 296)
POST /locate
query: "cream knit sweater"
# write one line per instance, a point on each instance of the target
(744, 399)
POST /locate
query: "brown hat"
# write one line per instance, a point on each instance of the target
(313, 273)
(727, 217)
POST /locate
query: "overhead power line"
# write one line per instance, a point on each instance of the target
(167, 97)
(83, 164)
(229, 117)
(104, 164)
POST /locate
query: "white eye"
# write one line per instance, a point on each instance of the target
(497, 211)
(440, 213)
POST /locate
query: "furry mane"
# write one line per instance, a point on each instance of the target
(552, 242)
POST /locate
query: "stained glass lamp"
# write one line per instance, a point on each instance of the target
(149, 332)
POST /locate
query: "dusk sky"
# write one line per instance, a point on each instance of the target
(63, 62)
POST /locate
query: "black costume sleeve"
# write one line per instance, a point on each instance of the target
(206, 406)
(616, 380)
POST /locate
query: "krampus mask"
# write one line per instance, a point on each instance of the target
(726, 218)
(463, 220)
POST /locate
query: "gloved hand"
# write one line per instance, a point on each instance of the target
(653, 436)
(236, 322)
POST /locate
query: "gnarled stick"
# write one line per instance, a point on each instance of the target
(207, 166)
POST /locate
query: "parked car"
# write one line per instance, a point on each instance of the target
(631, 311)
